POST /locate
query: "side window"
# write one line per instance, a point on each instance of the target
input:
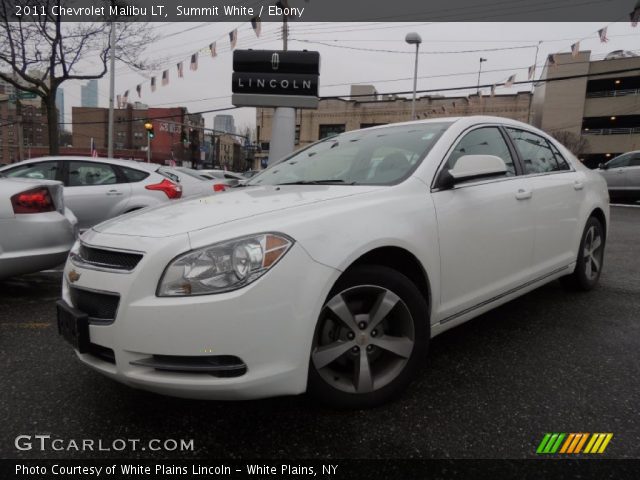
(635, 160)
(39, 171)
(132, 175)
(562, 162)
(483, 141)
(537, 155)
(91, 173)
(621, 161)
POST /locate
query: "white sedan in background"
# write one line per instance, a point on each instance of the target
(36, 230)
(331, 270)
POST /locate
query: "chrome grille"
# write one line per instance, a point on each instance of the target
(109, 259)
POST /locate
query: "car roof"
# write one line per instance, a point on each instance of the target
(149, 167)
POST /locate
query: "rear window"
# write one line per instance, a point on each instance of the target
(132, 175)
(169, 175)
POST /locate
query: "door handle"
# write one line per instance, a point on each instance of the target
(112, 193)
(578, 185)
(523, 194)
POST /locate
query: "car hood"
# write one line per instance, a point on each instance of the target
(197, 213)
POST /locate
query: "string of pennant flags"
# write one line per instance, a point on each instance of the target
(211, 50)
(256, 26)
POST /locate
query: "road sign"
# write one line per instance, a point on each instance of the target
(26, 95)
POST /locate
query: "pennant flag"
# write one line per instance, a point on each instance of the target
(180, 67)
(551, 60)
(233, 38)
(532, 71)
(575, 49)
(165, 78)
(635, 15)
(509, 82)
(193, 65)
(212, 49)
(139, 90)
(602, 33)
(493, 89)
(153, 84)
(257, 25)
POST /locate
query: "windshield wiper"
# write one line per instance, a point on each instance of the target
(333, 181)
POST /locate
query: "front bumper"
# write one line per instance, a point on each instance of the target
(269, 325)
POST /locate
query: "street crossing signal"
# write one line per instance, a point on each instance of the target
(149, 128)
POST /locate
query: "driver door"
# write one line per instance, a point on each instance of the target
(485, 228)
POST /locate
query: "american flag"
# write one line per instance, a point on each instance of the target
(602, 33)
(493, 90)
(193, 65)
(575, 49)
(257, 25)
(153, 84)
(139, 90)
(532, 71)
(212, 49)
(165, 78)
(551, 60)
(180, 67)
(94, 152)
(233, 38)
(510, 81)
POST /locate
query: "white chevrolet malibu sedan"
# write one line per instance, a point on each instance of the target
(330, 271)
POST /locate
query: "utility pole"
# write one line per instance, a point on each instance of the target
(112, 86)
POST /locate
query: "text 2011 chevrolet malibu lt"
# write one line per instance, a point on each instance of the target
(331, 270)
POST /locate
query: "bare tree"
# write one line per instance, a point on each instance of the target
(574, 142)
(39, 53)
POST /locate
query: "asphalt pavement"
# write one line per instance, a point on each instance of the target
(551, 361)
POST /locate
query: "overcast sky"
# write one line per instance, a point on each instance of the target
(345, 59)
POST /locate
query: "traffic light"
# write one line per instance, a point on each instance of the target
(148, 126)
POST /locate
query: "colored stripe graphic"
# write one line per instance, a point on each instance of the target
(572, 443)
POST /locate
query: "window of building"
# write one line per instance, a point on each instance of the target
(483, 141)
(329, 130)
(536, 153)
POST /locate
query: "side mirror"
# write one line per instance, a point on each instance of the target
(471, 167)
(602, 166)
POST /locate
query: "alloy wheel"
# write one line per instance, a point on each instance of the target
(592, 253)
(365, 338)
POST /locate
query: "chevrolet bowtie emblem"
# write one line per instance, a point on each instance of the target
(73, 276)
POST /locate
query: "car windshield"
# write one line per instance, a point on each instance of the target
(378, 156)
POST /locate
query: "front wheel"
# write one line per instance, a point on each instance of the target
(370, 340)
(590, 257)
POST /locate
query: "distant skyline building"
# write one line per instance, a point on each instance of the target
(60, 107)
(224, 123)
(89, 94)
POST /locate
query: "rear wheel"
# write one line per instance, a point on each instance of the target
(371, 337)
(590, 257)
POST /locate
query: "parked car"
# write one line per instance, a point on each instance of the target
(332, 269)
(622, 174)
(229, 178)
(193, 183)
(36, 230)
(97, 189)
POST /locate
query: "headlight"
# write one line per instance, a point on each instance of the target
(223, 267)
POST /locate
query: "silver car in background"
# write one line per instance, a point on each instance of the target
(36, 230)
(194, 182)
(97, 189)
(622, 174)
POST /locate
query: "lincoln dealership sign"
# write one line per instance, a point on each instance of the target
(268, 78)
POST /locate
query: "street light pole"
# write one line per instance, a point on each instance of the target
(479, 72)
(414, 39)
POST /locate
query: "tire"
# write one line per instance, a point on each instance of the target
(590, 258)
(376, 315)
